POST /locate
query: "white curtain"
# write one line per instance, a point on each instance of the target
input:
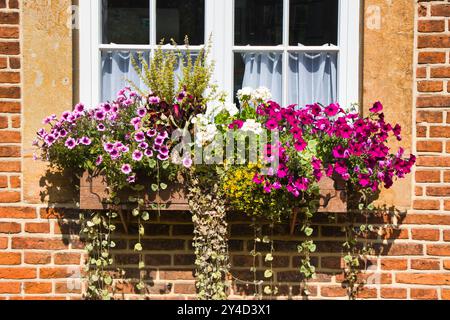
(264, 70)
(117, 68)
(312, 78)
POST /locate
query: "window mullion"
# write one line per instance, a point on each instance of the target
(285, 51)
(152, 25)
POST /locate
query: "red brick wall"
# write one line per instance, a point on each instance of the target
(41, 255)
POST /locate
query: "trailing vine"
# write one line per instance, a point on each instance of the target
(210, 234)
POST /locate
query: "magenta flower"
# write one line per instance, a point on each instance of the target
(148, 153)
(236, 124)
(108, 147)
(101, 127)
(164, 150)
(139, 136)
(332, 110)
(143, 145)
(162, 157)
(151, 133)
(85, 141)
(115, 154)
(100, 115)
(126, 169)
(137, 155)
(50, 139)
(70, 143)
(79, 107)
(340, 152)
(153, 100)
(99, 160)
(159, 141)
(141, 112)
(131, 179)
(300, 145)
(377, 107)
(272, 124)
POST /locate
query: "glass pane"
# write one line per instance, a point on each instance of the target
(312, 78)
(259, 69)
(258, 22)
(126, 21)
(313, 22)
(176, 19)
(118, 72)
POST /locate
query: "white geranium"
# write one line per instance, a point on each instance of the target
(262, 94)
(252, 126)
(205, 131)
(231, 108)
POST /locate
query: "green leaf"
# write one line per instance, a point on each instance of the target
(135, 212)
(163, 186)
(266, 239)
(108, 280)
(268, 274)
(141, 265)
(152, 163)
(165, 164)
(269, 257)
(267, 290)
(145, 216)
(155, 187)
(308, 231)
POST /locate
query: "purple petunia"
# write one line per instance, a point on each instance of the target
(108, 147)
(79, 107)
(101, 127)
(85, 141)
(162, 157)
(70, 143)
(187, 162)
(126, 169)
(139, 136)
(148, 153)
(137, 155)
(100, 115)
(151, 133)
(99, 160)
(143, 145)
(141, 112)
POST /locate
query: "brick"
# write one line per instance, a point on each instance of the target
(3, 122)
(438, 191)
(9, 197)
(57, 273)
(424, 294)
(17, 273)
(14, 63)
(446, 176)
(424, 278)
(433, 101)
(445, 294)
(429, 116)
(438, 250)
(367, 293)
(15, 121)
(67, 258)
(37, 227)
(439, 132)
(38, 287)
(421, 72)
(10, 92)
(185, 288)
(10, 258)
(9, 17)
(9, 107)
(9, 287)
(3, 243)
(433, 41)
(430, 86)
(427, 219)
(428, 176)
(425, 264)
(68, 287)
(446, 235)
(431, 25)
(38, 243)
(421, 131)
(9, 32)
(403, 249)
(3, 182)
(3, 63)
(176, 274)
(18, 212)
(440, 72)
(394, 264)
(13, 4)
(442, 10)
(425, 234)
(37, 258)
(10, 166)
(429, 146)
(426, 204)
(9, 152)
(433, 161)
(15, 182)
(418, 191)
(393, 293)
(10, 137)
(430, 57)
(9, 77)
(333, 291)
(422, 10)
(10, 227)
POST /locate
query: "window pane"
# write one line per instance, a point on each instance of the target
(177, 18)
(126, 21)
(259, 69)
(313, 22)
(312, 78)
(258, 22)
(118, 72)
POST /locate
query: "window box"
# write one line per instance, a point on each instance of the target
(94, 191)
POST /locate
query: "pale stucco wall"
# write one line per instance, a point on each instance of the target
(49, 69)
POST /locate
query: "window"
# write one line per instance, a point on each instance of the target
(305, 51)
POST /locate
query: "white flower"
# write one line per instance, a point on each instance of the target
(262, 94)
(232, 109)
(252, 126)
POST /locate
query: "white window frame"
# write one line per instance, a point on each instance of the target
(219, 21)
